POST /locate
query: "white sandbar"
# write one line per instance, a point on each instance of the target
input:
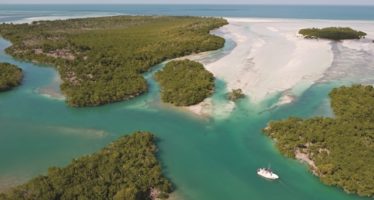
(270, 57)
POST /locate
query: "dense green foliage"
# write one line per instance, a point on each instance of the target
(125, 169)
(235, 94)
(185, 83)
(10, 76)
(101, 59)
(342, 148)
(332, 33)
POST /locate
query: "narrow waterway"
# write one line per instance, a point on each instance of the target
(206, 159)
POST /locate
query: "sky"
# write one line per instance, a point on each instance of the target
(323, 2)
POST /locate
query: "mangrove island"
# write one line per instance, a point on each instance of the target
(332, 33)
(101, 60)
(339, 150)
(185, 83)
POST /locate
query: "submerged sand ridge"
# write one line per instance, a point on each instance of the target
(270, 57)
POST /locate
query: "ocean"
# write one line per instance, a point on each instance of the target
(206, 159)
(14, 12)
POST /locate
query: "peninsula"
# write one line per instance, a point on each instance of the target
(125, 169)
(339, 150)
(101, 60)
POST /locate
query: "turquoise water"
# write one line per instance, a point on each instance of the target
(13, 12)
(207, 159)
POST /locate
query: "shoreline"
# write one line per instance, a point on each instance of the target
(296, 63)
(258, 76)
(212, 145)
(52, 90)
(9, 182)
(247, 67)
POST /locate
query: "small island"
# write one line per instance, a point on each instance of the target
(125, 169)
(10, 76)
(101, 60)
(332, 33)
(185, 83)
(339, 150)
(235, 94)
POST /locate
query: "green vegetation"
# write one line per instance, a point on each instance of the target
(185, 83)
(10, 76)
(235, 94)
(342, 148)
(101, 59)
(126, 169)
(332, 33)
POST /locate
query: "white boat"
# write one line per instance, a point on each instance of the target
(267, 173)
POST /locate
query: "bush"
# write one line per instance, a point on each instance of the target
(235, 94)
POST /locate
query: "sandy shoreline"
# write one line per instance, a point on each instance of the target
(271, 58)
(53, 89)
(7, 182)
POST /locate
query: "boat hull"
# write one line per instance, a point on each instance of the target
(267, 175)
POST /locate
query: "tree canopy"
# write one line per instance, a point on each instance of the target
(332, 33)
(185, 82)
(100, 60)
(125, 169)
(341, 148)
(10, 76)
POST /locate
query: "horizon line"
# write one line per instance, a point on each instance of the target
(249, 4)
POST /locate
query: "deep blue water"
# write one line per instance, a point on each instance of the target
(14, 12)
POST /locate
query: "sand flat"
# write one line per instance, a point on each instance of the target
(270, 57)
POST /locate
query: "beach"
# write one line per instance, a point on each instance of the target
(197, 153)
(271, 58)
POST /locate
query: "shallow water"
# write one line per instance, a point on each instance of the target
(14, 12)
(206, 159)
